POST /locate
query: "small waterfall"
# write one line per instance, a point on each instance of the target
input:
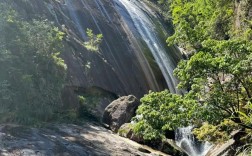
(186, 140)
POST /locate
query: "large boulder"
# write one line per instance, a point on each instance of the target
(120, 111)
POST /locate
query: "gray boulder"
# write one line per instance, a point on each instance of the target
(120, 111)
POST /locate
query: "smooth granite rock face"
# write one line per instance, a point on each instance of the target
(89, 139)
(120, 111)
(119, 66)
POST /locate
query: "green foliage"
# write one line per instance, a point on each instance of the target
(94, 41)
(67, 116)
(246, 117)
(164, 6)
(31, 72)
(221, 78)
(216, 133)
(246, 151)
(161, 111)
(126, 130)
(198, 20)
(87, 104)
(217, 76)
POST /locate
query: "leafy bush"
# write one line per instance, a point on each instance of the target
(162, 111)
(216, 134)
(31, 72)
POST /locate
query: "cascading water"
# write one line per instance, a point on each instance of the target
(136, 31)
(144, 21)
(186, 140)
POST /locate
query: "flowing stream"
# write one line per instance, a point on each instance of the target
(186, 140)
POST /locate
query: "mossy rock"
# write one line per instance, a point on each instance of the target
(170, 147)
(167, 146)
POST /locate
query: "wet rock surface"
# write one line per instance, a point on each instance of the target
(66, 140)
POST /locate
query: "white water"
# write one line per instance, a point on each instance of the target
(140, 15)
(186, 140)
(142, 18)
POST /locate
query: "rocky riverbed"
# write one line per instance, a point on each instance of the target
(67, 140)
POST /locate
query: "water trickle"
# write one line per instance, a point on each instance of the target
(186, 140)
(76, 20)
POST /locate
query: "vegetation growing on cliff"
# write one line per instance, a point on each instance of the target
(93, 42)
(217, 75)
(32, 73)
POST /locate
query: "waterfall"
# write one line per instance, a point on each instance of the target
(145, 23)
(186, 140)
